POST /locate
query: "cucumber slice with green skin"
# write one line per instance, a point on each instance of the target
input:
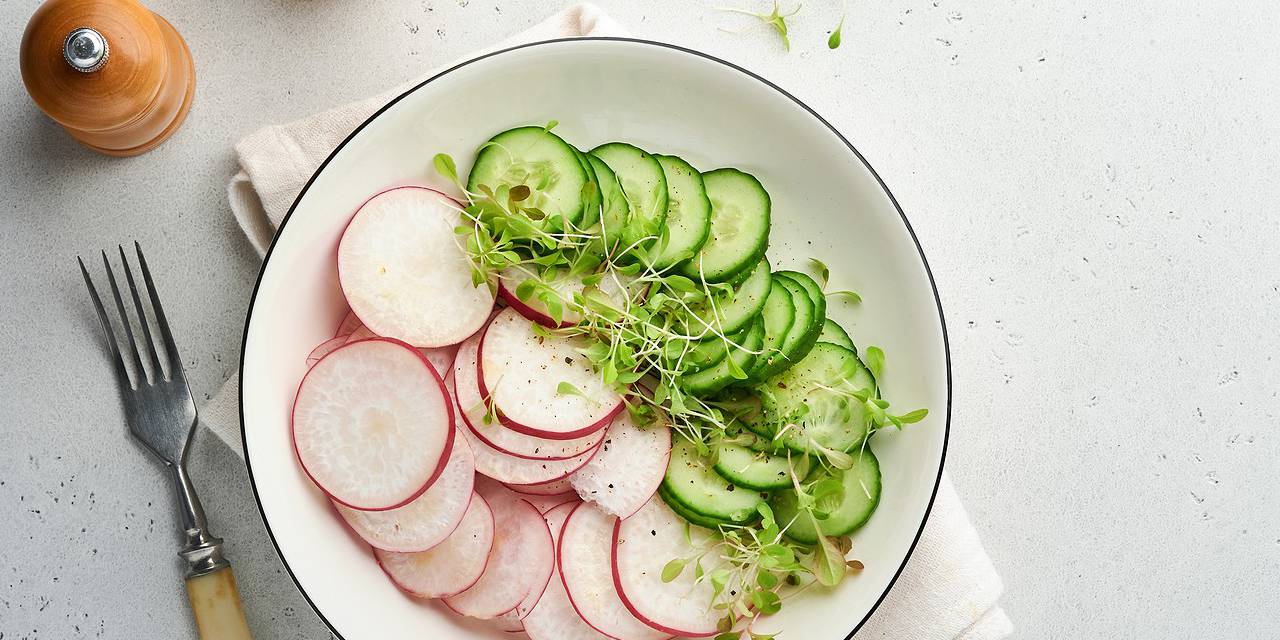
(800, 336)
(817, 418)
(816, 295)
(539, 159)
(720, 375)
(645, 187)
(734, 310)
(757, 470)
(693, 517)
(779, 315)
(700, 354)
(861, 497)
(688, 215)
(692, 482)
(739, 231)
(833, 333)
(613, 203)
(592, 198)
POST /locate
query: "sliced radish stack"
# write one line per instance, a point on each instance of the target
(554, 617)
(628, 469)
(441, 358)
(372, 424)
(642, 545)
(467, 391)
(521, 540)
(521, 373)
(553, 488)
(350, 322)
(545, 572)
(509, 622)
(547, 503)
(509, 469)
(361, 333)
(564, 286)
(324, 348)
(430, 518)
(586, 568)
(451, 566)
(404, 273)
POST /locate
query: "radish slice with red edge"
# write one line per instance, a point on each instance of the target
(642, 545)
(350, 323)
(467, 391)
(430, 518)
(521, 372)
(545, 573)
(521, 540)
(449, 567)
(441, 358)
(509, 622)
(610, 290)
(553, 488)
(554, 617)
(404, 273)
(509, 469)
(628, 469)
(372, 425)
(361, 333)
(547, 503)
(585, 550)
(324, 348)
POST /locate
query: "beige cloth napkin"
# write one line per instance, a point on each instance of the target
(949, 589)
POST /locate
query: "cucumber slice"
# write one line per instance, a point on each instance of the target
(692, 482)
(721, 374)
(757, 470)
(645, 186)
(734, 310)
(833, 333)
(701, 354)
(861, 497)
(592, 198)
(816, 295)
(688, 215)
(693, 517)
(739, 231)
(540, 160)
(613, 207)
(779, 315)
(800, 337)
(819, 418)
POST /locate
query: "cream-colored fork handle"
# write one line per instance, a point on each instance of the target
(215, 601)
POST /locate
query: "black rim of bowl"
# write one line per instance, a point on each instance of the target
(946, 344)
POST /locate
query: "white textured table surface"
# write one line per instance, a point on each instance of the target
(1094, 183)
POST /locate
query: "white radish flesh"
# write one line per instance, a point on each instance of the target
(642, 545)
(553, 488)
(404, 272)
(547, 503)
(521, 373)
(372, 424)
(430, 518)
(451, 566)
(441, 358)
(585, 551)
(545, 572)
(628, 468)
(521, 540)
(554, 617)
(610, 290)
(509, 469)
(498, 435)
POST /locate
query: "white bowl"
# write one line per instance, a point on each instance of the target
(827, 203)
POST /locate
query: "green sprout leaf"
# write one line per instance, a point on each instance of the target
(445, 166)
(875, 361)
(828, 563)
(673, 569)
(569, 389)
(846, 296)
(766, 602)
(775, 19)
(551, 124)
(824, 273)
(913, 417)
(833, 42)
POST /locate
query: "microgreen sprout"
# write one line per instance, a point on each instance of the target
(775, 19)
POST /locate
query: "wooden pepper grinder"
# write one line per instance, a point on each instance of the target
(116, 76)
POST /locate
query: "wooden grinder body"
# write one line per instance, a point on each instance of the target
(135, 100)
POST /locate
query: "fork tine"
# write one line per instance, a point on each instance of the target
(175, 362)
(150, 344)
(106, 326)
(124, 320)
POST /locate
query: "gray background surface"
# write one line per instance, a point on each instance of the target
(1094, 183)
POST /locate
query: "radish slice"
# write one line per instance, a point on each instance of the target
(428, 520)
(520, 372)
(404, 273)
(521, 541)
(467, 390)
(642, 545)
(449, 567)
(372, 424)
(610, 289)
(509, 622)
(545, 572)
(324, 348)
(586, 568)
(361, 333)
(441, 358)
(553, 488)
(628, 469)
(512, 470)
(350, 323)
(547, 503)
(554, 617)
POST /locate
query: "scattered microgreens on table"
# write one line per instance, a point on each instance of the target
(641, 325)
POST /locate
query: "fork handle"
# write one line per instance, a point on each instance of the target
(215, 601)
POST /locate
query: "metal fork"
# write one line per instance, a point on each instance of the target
(162, 415)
